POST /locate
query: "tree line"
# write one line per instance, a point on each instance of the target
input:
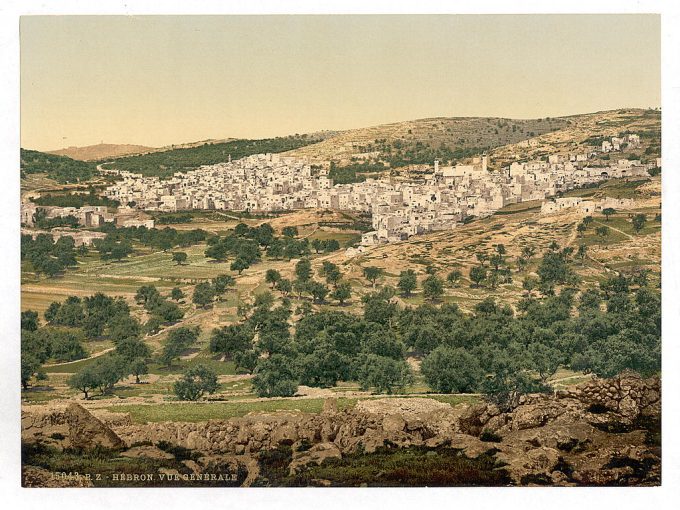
(60, 168)
(246, 245)
(77, 200)
(166, 163)
(47, 256)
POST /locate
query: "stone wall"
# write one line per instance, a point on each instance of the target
(598, 430)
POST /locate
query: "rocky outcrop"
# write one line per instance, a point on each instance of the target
(71, 426)
(612, 405)
(594, 434)
(591, 435)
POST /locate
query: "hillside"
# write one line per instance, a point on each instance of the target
(451, 139)
(588, 130)
(416, 142)
(59, 168)
(165, 163)
(421, 141)
(101, 151)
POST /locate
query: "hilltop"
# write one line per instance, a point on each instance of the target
(421, 141)
(101, 151)
(449, 139)
(412, 143)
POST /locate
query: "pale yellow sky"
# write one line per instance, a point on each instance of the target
(171, 79)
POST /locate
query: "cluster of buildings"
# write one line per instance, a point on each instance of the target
(88, 216)
(586, 207)
(80, 237)
(450, 194)
(618, 143)
(399, 209)
(91, 216)
(262, 182)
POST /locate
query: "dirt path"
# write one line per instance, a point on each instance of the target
(96, 355)
(614, 229)
(311, 233)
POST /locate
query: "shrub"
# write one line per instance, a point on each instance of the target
(195, 383)
(275, 377)
(448, 370)
(384, 374)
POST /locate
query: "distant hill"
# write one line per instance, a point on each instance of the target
(181, 159)
(60, 168)
(101, 151)
(424, 140)
(357, 152)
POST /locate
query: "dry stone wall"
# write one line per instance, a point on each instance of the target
(592, 435)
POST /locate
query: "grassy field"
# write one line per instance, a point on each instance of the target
(221, 410)
(92, 275)
(224, 410)
(620, 229)
(344, 238)
(615, 188)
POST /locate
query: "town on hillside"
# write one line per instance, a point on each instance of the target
(400, 208)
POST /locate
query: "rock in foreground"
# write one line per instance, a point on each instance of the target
(604, 432)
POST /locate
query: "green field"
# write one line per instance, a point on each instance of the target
(620, 229)
(615, 188)
(344, 238)
(224, 410)
(221, 410)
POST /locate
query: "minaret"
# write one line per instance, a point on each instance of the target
(485, 162)
(436, 165)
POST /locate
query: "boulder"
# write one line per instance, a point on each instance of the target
(393, 424)
(86, 431)
(535, 415)
(70, 426)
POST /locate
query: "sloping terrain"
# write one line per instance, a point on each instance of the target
(451, 139)
(589, 129)
(101, 151)
(59, 168)
(604, 432)
(421, 141)
(165, 163)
